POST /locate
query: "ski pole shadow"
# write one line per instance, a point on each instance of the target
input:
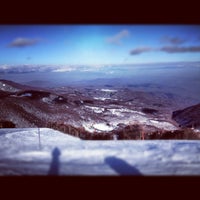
(122, 167)
(55, 163)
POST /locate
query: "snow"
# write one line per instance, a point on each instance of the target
(88, 126)
(108, 90)
(98, 127)
(7, 87)
(26, 95)
(21, 153)
(133, 116)
(46, 100)
(164, 125)
(102, 127)
(105, 98)
(50, 98)
(125, 116)
(101, 98)
(119, 111)
(116, 112)
(95, 109)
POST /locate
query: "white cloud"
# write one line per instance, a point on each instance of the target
(116, 39)
(23, 42)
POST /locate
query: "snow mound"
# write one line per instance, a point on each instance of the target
(43, 151)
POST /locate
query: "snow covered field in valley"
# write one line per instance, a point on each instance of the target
(23, 152)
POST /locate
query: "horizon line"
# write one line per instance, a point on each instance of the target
(89, 64)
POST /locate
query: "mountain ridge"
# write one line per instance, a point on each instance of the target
(88, 112)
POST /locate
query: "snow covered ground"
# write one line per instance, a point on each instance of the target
(125, 116)
(23, 152)
(108, 90)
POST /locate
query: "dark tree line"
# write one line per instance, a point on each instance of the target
(128, 132)
(6, 124)
(125, 132)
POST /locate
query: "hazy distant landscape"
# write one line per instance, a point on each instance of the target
(177, 78)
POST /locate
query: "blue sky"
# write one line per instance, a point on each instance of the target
(98, 44)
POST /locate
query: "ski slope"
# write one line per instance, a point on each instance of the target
(23, 152)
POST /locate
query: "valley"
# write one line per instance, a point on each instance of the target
(100, 112)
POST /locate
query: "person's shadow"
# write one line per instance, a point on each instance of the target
(55, 164)
(122, 167)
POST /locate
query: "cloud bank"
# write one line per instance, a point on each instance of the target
(175, 49)
(23, 42)
(116, 39)
(140, 50)
(174, 46)
(28, 68)
(166, 49)
(173, 40)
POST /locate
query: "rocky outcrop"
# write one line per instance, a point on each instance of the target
(188, 117)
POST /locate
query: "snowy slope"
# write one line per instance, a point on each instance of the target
(22, 153)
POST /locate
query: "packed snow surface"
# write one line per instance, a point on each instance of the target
(102, 127)
(48, 152)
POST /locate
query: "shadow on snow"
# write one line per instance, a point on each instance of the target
(55, 163)
(121, 167)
